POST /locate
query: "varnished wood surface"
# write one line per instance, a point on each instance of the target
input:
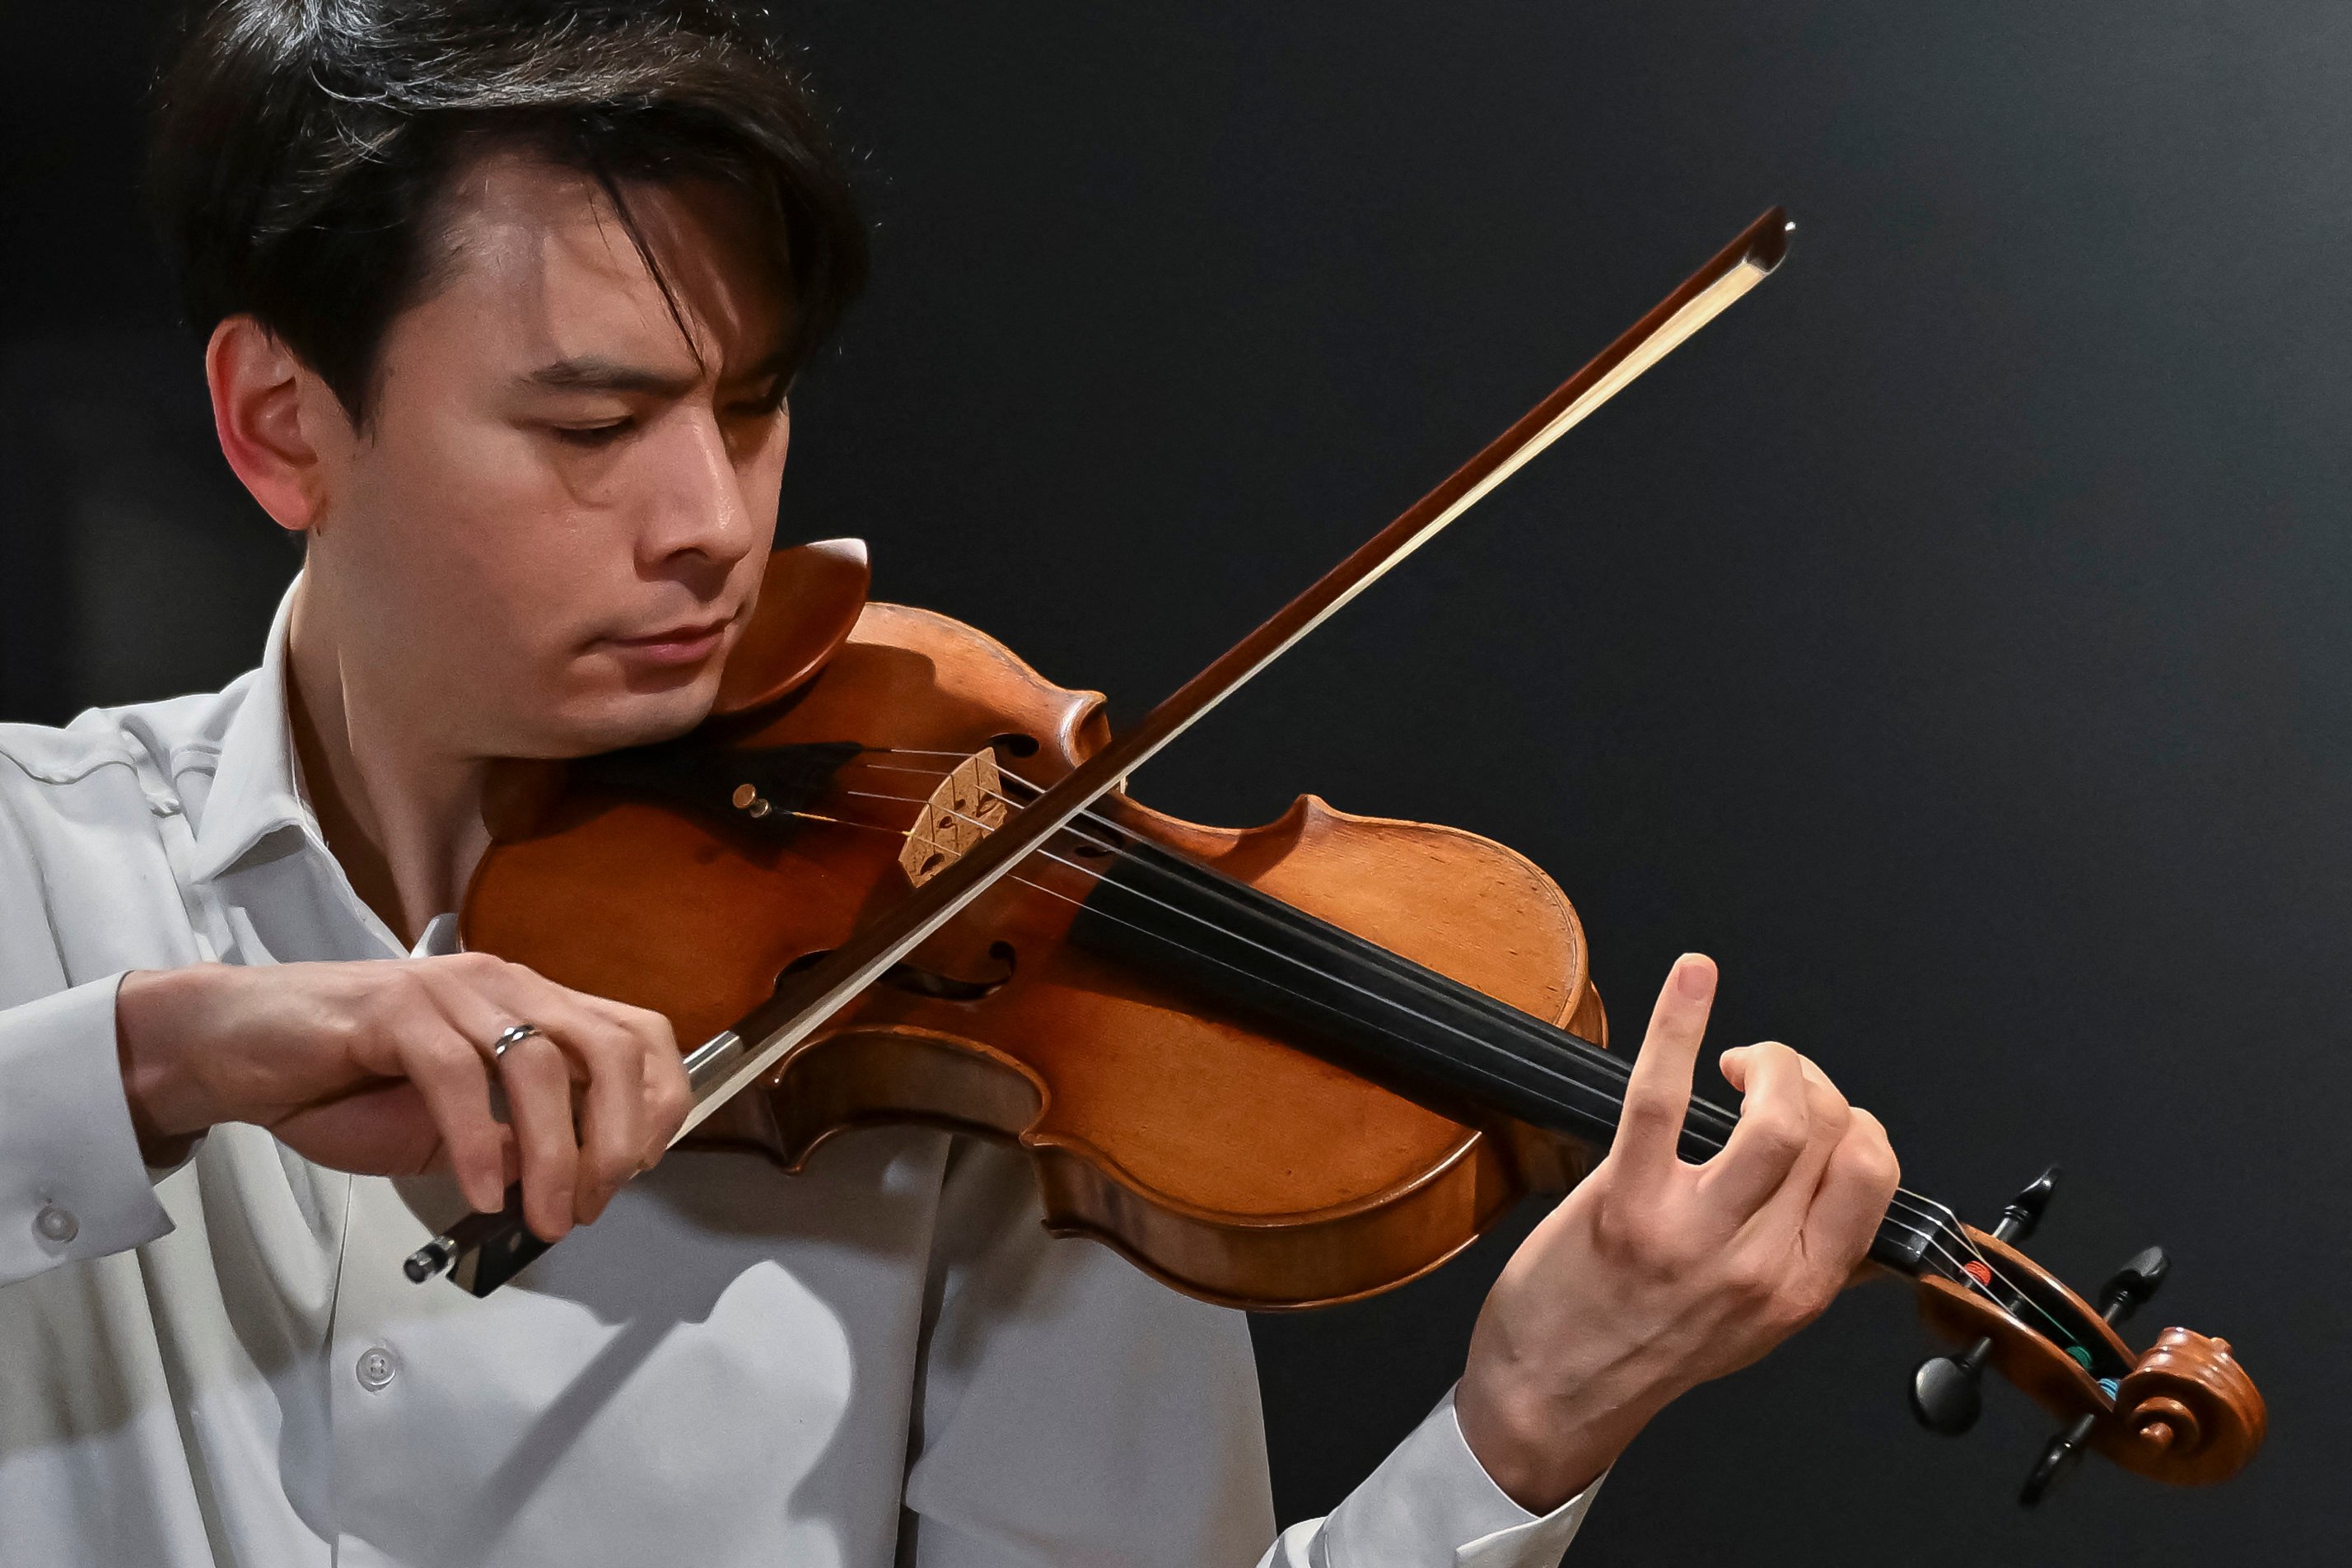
(1227, 1161)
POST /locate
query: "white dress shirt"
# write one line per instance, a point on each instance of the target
(882, 1361)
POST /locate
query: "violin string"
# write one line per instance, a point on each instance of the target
(1705, 1138)
(1599, 1095)
(1915, 1205)
(1930, 1234)
(1938, 1217)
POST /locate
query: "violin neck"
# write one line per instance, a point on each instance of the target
(1426, 1037)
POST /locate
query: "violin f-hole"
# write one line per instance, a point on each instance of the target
(918, 981)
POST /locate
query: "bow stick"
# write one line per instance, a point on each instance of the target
(729, 1062)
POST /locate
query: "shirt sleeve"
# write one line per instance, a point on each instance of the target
(73, 1184)
(1070, 1410)
(1431, 1502)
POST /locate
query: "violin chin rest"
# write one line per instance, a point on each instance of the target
(810, 599)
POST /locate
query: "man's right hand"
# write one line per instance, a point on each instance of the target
(383, 1068)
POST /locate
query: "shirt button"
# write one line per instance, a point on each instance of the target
(57, 1224)
(377, 1369)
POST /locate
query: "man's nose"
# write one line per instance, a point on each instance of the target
(697, 505)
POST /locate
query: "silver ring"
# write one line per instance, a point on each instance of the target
(514, 1035)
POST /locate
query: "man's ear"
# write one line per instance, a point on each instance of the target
(265, 409)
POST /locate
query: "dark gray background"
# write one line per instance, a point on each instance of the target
(1951, 640)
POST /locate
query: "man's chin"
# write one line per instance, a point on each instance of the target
(637, 719)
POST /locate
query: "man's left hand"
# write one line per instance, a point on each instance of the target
(1656, 1275)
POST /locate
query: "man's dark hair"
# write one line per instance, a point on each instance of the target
(302, 148)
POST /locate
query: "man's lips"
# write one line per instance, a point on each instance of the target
(674, 645)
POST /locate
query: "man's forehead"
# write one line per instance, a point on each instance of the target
(536, 254)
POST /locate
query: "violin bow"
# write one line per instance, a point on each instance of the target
(763, 1039)
(487, 1250)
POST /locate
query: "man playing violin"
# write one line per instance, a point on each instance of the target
(503, 303)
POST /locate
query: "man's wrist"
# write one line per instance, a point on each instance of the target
(153, 1008)
(1543, 1449)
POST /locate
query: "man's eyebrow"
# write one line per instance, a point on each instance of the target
(593, 373)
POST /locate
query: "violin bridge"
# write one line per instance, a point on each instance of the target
(968, 806)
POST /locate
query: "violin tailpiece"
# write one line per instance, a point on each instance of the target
(762, 788)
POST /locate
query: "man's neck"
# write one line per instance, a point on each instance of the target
(403, 817)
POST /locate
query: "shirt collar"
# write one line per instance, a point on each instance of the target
(256, 789)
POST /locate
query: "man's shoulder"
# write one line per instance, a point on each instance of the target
(168, 737)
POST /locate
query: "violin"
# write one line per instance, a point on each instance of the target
(896, 877)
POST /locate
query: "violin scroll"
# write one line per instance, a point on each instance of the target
(2189, 1411)
(2188, 1415)
(2183, 1412)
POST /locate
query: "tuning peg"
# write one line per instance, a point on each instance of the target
(1946, 1394)
(2065, 1452)
(1944, 1389)
(2125, 1291)
(2024, 1211)
(2130, 1287)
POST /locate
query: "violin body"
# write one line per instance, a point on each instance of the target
(1216, 1154)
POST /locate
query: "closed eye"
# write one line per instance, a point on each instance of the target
(763, 406)
(593, 435)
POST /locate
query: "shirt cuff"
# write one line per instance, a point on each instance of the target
(1430, 1501)
(72, 1182)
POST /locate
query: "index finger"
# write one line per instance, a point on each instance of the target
(1658, 1091)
